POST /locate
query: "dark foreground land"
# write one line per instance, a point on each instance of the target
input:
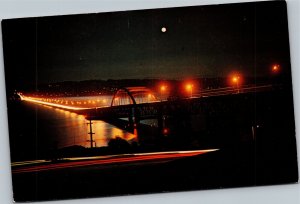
(255, 135)
(221, 169)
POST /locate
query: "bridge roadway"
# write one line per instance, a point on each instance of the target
(159, 111)
(134, 113)
(152, 110)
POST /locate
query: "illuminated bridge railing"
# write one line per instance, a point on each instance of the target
(133, 95)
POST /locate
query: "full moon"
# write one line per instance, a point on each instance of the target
(163, 29)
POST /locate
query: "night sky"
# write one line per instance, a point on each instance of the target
(204, 41)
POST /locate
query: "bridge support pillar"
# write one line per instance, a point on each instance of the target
(133, 120)
(160, 124)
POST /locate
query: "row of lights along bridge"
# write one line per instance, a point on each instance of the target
(235, 80)
(189, 89)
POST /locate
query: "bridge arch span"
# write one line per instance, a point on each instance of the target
(133, 95)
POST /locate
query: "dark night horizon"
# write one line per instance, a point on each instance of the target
(206, 41)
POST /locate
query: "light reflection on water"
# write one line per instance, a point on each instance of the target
(68, 129)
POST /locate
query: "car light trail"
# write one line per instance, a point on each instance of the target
(109, 160)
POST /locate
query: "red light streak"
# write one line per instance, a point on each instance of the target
(128, 158)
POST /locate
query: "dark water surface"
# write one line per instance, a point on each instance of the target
(37, 129)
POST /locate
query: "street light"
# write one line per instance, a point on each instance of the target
(189, 87)
(275, 68)
(163, 89)
(236, 80)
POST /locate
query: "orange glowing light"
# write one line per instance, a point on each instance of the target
(163, 88)
(275, 68)
(40, 101)
(235, 79)
(189, 87)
